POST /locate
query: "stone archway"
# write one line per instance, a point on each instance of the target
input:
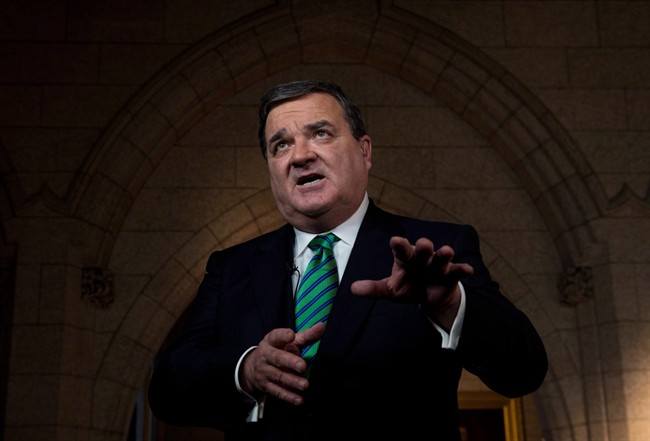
(527, 136)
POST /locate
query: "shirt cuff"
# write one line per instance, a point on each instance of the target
(450, 340)
(257, 412)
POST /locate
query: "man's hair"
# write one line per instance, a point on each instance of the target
(296, 89)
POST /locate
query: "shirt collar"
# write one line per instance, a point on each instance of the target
(347, 231)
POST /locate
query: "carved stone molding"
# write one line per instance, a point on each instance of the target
(576, 285)
(97, 286)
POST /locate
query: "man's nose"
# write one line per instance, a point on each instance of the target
(303, 152)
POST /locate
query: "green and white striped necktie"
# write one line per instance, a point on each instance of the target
(317, 289)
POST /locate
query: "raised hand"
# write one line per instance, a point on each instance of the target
(423, 275)
(275, 366)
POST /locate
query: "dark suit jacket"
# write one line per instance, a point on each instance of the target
(380, 372)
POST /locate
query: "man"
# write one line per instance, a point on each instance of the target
(349, 321)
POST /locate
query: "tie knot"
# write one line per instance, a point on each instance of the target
(324, 241)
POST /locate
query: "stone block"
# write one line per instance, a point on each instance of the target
(151, 132)
(180, 209)
(485, 113)
(587, 109)
(389, 45)
(179, 103)
(537, 246)
(225, 126)
(609, 68)
(46, 149)
(330, 38)
(231, 221)
(624, 291)
(270, 221)
(34, 20)
(181, 296)
(247, 232)
(637, 391)
(144, 253)
(190, 24)
(50, 63)
(623, 239)
(555, 24)
(282, 49)
(127, 288)
(23, 105)
(31, 433)
(101, 201)
(132, 161)
(375, 186)
(480, 23)
(52, 294)
(36, 349)
(544, 288)
(511, 284)
(109, 400)
(130, 64)
(29, 399)
(157, 329)
(261, 203)
(245, 59)
(408, 167)
(164, 280)
(488, 210)
(116, 21)
(414, 126)
(425, 61)
(75, 402)
(27, 294)
(638, 109)
(514, 142)
(623, 24)
(195, 167)
(573, 392)
(636, 345)
(472, 168)
(614, 391)
(400, 200)
(200, 245)
(138, 317)
(82, 106)
(79, 352)
(210, 77)
(251, 168)
(535, 67)
(590, 356)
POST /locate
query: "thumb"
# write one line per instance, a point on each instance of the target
(372, 288)
(310, 335)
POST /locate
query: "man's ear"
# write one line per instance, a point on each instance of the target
(366, 149)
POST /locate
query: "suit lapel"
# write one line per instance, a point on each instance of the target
(271, 279)
(371, 258)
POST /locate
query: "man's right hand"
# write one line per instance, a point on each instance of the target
(275, 366)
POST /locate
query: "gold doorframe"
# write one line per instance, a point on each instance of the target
(511, 408)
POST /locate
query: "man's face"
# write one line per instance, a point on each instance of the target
(318, 170)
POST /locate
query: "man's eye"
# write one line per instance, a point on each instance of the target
(279, 146)
(321, 134)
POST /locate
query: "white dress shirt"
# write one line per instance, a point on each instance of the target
(347, 233)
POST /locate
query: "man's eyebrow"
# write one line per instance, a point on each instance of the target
(277, 135)
(318, 125)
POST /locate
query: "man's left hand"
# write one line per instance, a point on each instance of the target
(421, 274)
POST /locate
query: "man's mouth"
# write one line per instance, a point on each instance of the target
(309, 180)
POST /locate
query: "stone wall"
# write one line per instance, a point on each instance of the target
(127, 145)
